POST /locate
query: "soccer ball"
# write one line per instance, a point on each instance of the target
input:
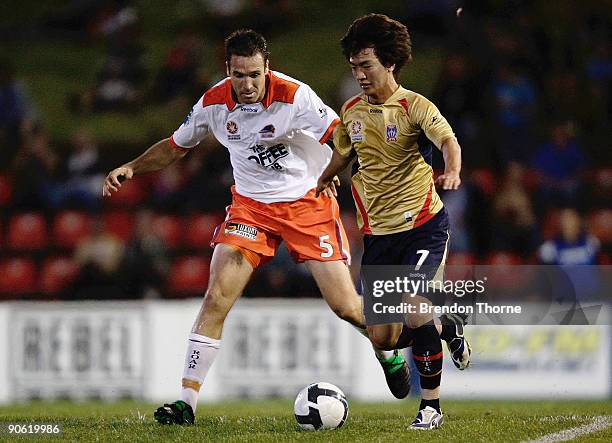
(320, 406)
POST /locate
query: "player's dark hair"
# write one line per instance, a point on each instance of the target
(389, 38)
(246, 43)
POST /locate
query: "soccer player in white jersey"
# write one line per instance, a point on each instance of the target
(275, 129)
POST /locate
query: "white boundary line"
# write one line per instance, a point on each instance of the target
(597, 424)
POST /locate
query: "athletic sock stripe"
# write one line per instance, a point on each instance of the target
(428, 357)
(430, 375)
(212, 345)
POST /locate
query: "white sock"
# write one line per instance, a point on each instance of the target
(201, 352)
(380, 353)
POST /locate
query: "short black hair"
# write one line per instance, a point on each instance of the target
(389, 38)
(246, 43)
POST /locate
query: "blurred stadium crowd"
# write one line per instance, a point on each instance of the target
(529, 100)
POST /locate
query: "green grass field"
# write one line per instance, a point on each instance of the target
(465, 421)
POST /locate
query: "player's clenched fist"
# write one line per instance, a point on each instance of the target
(114, 179)
(449, 181)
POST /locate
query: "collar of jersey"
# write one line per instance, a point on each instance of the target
(231, 99)
(391, 98)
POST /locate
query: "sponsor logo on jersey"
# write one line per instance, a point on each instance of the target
(391, 133)
(408, 216)
(267, 131)
(250, 109)
(188, 118)
(375, 111)
(356, 131)
(241, 230)
(322, 112)
(268, 156)
(232, 130)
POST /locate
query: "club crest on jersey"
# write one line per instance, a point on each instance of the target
(267, 131)
(232, 130)
(241, 230)
(391, 133)
(356, 131)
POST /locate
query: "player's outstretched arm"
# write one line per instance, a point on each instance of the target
(157, 157)
(451, 151)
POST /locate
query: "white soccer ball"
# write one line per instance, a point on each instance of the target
(320, 406)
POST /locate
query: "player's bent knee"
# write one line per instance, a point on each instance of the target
(350, 314)
(384, 340)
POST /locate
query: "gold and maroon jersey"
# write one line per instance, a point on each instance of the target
(393, 186)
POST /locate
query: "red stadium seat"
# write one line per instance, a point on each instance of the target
(56, 274)
(484, 180)
(168, 228)
(503, 258)
(460, 259)
(189, 275)
(17, 276)
(459, 266)
(600, 225)
(70, 227)
(200, 229)
(132, 193)
(550, 224)
(119, 223)
(603, 178)
(27, 232)
(6, 190)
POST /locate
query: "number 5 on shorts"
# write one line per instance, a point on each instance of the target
(329, 249)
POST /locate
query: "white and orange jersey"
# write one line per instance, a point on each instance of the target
(277, 146)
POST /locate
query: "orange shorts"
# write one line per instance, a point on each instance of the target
(310, 227)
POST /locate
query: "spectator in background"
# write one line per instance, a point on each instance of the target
(559, 163)
(145, 260)
(99, 259)
(458, 94)
(572, 249)
(265, 15)
(208, 174)
(84, 19)
(596, 124)
(35, 171)
(573, 245)
(513, 215)
(514, 108)
(182, 61)
(457, 205)
(112, 17)
(119, 85)
(16, 113)
(168, 188)
(83, 175)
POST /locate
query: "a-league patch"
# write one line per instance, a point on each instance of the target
(232, 130)
(356, 131)
(391, 133)
(241, 230)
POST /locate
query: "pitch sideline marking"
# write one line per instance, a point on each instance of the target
(597, 424)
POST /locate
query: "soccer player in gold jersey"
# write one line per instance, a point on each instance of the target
(399, 211)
